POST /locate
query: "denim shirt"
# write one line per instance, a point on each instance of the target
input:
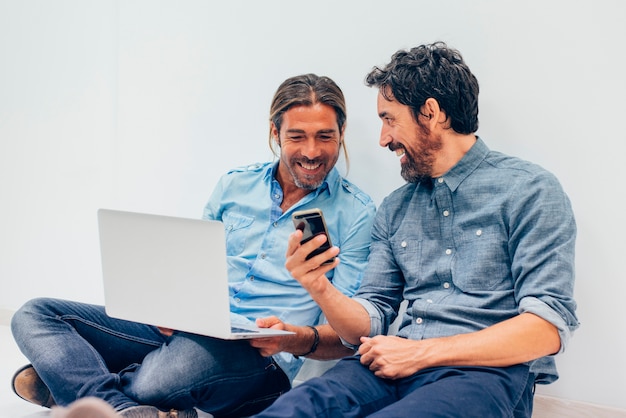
(247, 200)
(490, 239)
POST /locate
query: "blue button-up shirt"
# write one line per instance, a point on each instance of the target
(247, 200)
(491, 238)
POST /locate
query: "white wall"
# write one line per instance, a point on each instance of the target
(142, 104)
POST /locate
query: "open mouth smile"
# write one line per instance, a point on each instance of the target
(310, 166)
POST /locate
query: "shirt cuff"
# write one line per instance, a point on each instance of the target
(375, 322)
(541, 309)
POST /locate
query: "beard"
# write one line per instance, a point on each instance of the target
(419, 166)
(411, 173)
(303, 181)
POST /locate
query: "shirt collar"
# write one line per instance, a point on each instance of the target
(470, 161)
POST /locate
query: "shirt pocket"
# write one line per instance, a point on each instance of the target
(482, 261)
(237, 228)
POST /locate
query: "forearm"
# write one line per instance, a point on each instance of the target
(329, 346)
(348, 318)
(520, 339)
(326, 345)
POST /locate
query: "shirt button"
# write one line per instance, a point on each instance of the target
(237, 300)
(275, 224)
(479, 232)
(419, 320)
(446, 213)
(403, 244)
(446, 285)
(429, 300)
(440, 180)
(251, 278)
(263, 256)
(276, 196)
(448, 251)
(230, 227)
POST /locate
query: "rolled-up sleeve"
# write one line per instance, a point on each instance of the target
(543, 244)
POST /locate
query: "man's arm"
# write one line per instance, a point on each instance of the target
(347, 317)
(345, 280)
(327, 345)
(517, 340)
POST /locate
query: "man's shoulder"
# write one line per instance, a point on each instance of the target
(519, 170)
(245, 176)
(504, 161)
(249, 168)
(500, 162)
(355, 191)
(399, 197)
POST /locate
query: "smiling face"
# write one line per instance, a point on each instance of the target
(309, 141)
(412, 142)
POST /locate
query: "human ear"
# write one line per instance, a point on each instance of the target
(274, 133)
(431, 108)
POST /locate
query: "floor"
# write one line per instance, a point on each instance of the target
(10, 405)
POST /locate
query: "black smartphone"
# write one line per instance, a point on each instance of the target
(311, 223)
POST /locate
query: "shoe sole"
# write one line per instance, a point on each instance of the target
(23, 373)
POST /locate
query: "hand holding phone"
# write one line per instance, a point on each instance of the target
(311, 223)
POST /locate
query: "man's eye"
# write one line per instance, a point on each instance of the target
(296, 138)
(325, 138)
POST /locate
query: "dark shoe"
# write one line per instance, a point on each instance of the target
(28, 386)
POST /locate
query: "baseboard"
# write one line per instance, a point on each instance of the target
(551, 407)
(5, 316)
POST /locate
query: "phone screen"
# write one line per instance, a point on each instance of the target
(311, 223)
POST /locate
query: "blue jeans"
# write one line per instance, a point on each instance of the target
(79, 351)
(350, 390)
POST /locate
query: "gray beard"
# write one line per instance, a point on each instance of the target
(307, 186)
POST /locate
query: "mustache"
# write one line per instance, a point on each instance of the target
(308, 160)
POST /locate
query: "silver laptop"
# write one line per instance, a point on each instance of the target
(169, 272)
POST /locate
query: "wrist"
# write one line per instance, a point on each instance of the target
(314, 344)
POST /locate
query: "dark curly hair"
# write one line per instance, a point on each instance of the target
(427, 71)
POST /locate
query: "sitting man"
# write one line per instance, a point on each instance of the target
(480, 245)
(77, 351)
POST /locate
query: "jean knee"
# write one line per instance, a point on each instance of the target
(28, 315)
(163, 372)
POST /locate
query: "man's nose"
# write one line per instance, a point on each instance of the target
(385, 138)
(311, 149)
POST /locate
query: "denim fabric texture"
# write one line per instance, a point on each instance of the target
(79, 351)
(259, 283)
(351, 390)
(491, 238)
